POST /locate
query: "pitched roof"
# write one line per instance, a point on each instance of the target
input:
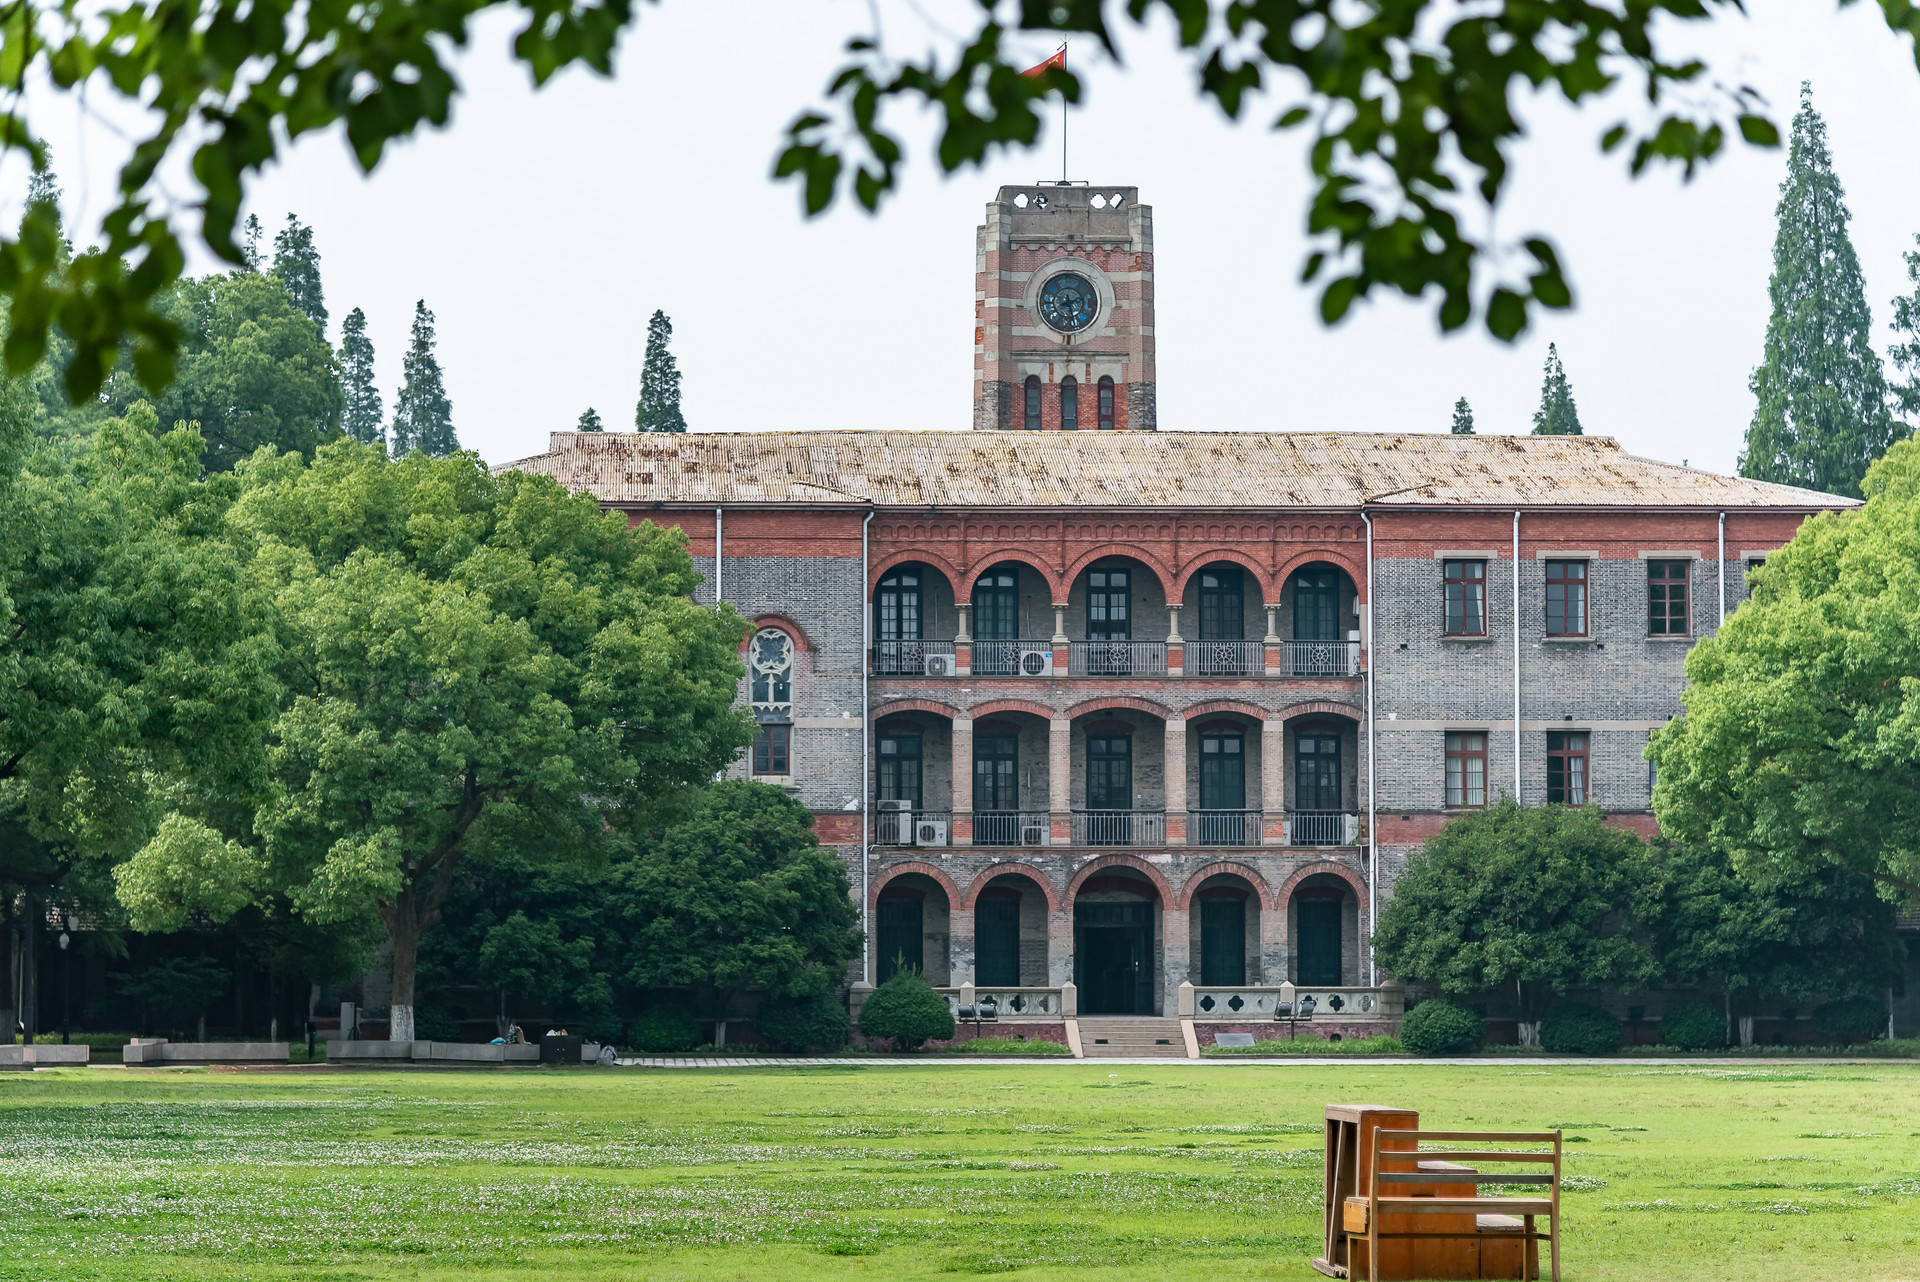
(1139, 469)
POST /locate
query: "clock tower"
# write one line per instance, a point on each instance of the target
(1063, 311)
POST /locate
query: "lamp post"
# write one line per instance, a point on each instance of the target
(66, 983)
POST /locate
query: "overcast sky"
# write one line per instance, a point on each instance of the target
(544, 227)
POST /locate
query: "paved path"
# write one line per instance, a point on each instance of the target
(1223, 1061)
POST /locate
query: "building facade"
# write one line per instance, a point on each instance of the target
(1081, 700)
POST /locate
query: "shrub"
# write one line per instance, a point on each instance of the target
(1440, 1027)
(906, 1011)
(1577, 1029)
(1693, 1026)
(1008, 1046)
(802, 1023)
(1852, 1019)
(1381, 1045)
(665, 1028)
(435, 1024)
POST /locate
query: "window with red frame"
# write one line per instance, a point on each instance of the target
(1466, 770)
(1466, 598)
(1667, 598)
(1567, 776)
(772, 751)
(1566, 598)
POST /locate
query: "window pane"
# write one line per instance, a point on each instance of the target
(1069, 404)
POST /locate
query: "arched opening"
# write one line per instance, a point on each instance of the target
(1224, 782)
(1115, 943)
(1010, 933)
(914, 622)
(1322, 769)
(1106, 403)
(1012, 622)
(910, 929)
(1010, 780)
(1224, 917)
(913, 780)
(1033, 403)
(1325, 932)
(1223, 615)
(1069, 404)
(1320, 621)
(1120, 781)
(1121, 607)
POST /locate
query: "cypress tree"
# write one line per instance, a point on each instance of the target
(363, 420)
(659, 407)
(1556, 415)
(250, 233)
(422, 414)
(1462, 418)
(296, 265)
(43, 187)
(1821, 395)
(590, 422)
(1906, 354)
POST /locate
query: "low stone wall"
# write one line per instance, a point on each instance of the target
(143, 1052)
(446, 1053)
(1323, 1030)
(23, 1056)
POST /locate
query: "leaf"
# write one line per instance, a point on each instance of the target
(1759, 131)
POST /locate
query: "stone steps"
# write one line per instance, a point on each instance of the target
(1132, 1038)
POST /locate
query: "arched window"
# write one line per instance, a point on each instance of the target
(1033, 402)
(1106, 403)
(770, 667)
(1069, 404)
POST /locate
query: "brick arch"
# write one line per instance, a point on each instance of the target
(913, 556)
(1113, 861)
(1344, 873)
(1321, 708)
(1105, 702)
(1130, 551)
(1355, 571)
(1262, 574)
(1243, 871)
(887, 875)
(992, 706)
(1208, 709)
(802, 643)
(1013, 866)
(979, 565)
(893, 706)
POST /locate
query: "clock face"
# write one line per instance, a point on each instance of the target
(1068, 302)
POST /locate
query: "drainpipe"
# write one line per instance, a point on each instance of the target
(1723, 569)
(1516, 656)
(1373, 840)
(719, 583)
(866, 763)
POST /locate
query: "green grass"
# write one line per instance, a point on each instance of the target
(1055, 1170)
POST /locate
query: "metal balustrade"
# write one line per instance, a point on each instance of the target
(1119, 827)
(1009, 828)
(1320, 658)
(1013, 659)
(1223, 827)
(1224, 658)
(913, 659)
(1322, 828)
(1117, 659)
(912, 827)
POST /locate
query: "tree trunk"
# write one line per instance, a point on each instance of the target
(1746, 1030)
(412, 912)
(6, 972)
(406, 952)
(29, 973)
(1529, 1028)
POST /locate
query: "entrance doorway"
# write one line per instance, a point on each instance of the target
(1223, 941)
(996, 940)
(899, 935)
(1113, 958)
(1319, 926)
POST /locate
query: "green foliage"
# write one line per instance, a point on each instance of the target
(1440, 1027)
(1462, 418)
(1801, 743)
(906, 1011)
(738, 894)
(1557, 415)
(435, 1023)
(1311, 1046)
(296, 265)
(1821, 415)
(1528, 899)
(1905, 354)
(590, 421)
(665, 1029)
(1852, 1019)
(1574, 1028)
(1693, 1026)
(1008, 1046)
(422, 414)
(363, 420)
(176, 989)
(803, 1023)
(186, 867)
(658, 409)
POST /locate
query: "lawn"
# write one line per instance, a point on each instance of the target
(1035, 1170)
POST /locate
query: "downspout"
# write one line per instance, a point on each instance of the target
(1723, 569)
(1373, 841)
(866, 762)
(719, 545)
(1516, 657)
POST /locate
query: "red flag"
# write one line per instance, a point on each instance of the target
(1058, 60)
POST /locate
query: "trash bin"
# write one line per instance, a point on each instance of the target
(559, 1048)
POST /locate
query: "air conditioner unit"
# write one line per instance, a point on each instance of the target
(902, 805)
(938, 665)
(930, 832)
(1036, 663)
(1033, 835)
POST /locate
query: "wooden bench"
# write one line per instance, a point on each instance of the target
(1434, 1187)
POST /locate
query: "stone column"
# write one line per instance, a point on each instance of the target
(1276, 656)
(1176, 644)
(962, 834)
(1060, 945)
(1176, 787)
(1273, 945)
(1175, 950)
(959, 945)
(963, 640)
(1273, 780)
(1059, 781)
(1062, 644)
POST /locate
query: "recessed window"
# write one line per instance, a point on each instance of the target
(1567, 767)
(1466, 598)
(1466, 769)
(900, 768)
(770, 661)
(1069, 404)
(1106, 404)
(772, 751)
(1667, 598)
(1566, 598)
(1033, 402)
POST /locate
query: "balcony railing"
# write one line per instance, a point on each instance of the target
(1009, 828)
(1002, 1003)
(913, 827)
(1119, 827)
(1117, 659)
(1288, 1001)
(1322, 828)
(1320, 658)
(1223, 827)
(1013, 659)
(1225, 658)
(913, 659)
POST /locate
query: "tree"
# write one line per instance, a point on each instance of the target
(525, 959)
(1536, 900)
(1800, 746)
(422, 414)
(251, 257)
(1462, 418)
(1820, 413)
(739, 895)
(474, 667)
(659, 406)
(906, 1010)
(1556, 415)
(1905, 354)
(296, 265)
(364, 419)
(590, 422)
